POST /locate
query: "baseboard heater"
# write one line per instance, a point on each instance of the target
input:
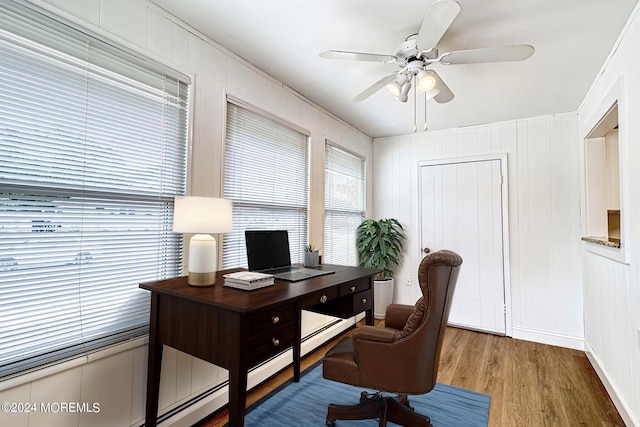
(186, 405)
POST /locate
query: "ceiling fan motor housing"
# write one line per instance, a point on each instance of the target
(408, 52)
(415, 66)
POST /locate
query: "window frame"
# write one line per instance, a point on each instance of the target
(328, 257)
(233, 247)
(40, 24)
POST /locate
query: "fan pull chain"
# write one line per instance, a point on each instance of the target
(415, 114)
(425, 111)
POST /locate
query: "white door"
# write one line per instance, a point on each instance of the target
(462, 206)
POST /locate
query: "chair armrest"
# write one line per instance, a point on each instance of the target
(397, 315)
(373, 333)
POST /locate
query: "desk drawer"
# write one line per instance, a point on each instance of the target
(259, 322)
(362, 301)
(345, 306)
(321, 298)
(271, 342)
(355, 286)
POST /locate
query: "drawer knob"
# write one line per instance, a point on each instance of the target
(275, 341)
(275, 319)
(353, 289)
(364, 300)
(323, 299)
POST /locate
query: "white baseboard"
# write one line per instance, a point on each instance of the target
(543, 337)
(201, 409)
(625, 411)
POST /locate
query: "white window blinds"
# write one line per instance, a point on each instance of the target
(344, 203)
(92, 152)
(266, 175)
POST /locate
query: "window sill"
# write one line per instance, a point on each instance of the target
(608, 248)
(611, 243)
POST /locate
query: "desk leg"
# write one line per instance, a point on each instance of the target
(297, 353)
(153, 368)
(237, 395)
(369, 315)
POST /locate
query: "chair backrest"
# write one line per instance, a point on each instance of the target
(407, 361)
(437, 276)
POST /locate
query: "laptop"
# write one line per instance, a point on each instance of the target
(268, 252)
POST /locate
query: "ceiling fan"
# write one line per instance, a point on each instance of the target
(420, 50)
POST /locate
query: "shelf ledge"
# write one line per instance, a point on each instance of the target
(603, 241)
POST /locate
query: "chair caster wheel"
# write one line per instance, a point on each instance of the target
(331, 423)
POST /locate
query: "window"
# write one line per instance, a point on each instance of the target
(92, 152)
(266, 175)
(344, 205)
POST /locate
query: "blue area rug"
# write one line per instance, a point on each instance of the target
(305, 403)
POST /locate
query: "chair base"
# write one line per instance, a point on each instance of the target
(395, 409)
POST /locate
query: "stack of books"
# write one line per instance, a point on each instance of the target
(248, 280)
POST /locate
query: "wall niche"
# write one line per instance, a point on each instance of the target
(604, 214)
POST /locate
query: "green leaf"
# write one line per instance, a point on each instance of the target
(379, 244)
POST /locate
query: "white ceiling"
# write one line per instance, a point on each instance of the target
(572, 39)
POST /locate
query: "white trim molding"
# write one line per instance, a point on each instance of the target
(623, 407)
(549, 338)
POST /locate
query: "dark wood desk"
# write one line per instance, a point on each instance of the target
(237, 329)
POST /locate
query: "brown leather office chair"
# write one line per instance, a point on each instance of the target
(401, 358)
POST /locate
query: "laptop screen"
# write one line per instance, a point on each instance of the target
(267, 249)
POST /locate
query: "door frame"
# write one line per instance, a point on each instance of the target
(506, 271)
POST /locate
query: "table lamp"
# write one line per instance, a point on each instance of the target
(202, 215)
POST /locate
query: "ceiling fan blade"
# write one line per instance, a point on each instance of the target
(357, 56)
(436, 22)
(375, 87)
(491, 54)
(444, 94)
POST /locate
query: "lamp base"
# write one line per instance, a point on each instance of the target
(202, 279)
(202, 260)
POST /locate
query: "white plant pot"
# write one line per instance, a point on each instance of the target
(382, 297)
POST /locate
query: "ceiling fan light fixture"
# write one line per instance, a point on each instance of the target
(432, 93)
(405, 88)
(397, 86)
(426, 81)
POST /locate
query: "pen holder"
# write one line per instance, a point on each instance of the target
(311, 259)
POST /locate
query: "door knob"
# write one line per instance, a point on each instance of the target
(426, 250)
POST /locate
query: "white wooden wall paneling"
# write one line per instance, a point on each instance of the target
(119, 380)
(543, 214)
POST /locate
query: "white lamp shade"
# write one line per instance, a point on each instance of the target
(395, 88)
(432, 93)
(202, 215)
(426, 81)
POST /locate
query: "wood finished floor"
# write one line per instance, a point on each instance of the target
(530, 384)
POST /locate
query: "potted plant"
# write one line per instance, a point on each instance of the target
(379, 245)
